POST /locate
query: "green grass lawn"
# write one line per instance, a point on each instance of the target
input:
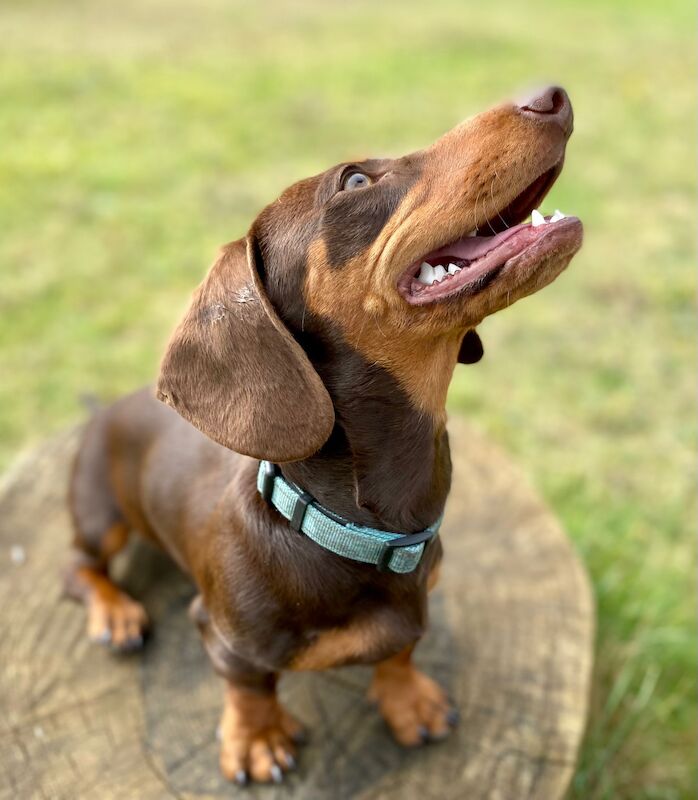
(135, 137)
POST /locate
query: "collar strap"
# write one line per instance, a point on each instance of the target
(388, 551)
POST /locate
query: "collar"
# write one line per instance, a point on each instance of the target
(393, 552)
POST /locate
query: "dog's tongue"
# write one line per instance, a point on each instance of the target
(471, 247)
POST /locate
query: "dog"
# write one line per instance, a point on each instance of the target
(294, 459)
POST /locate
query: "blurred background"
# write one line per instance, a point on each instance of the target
(135, 137)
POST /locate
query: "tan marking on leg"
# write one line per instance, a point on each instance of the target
(114, 540)
(106, 547)
(112, 616)
(257, 736)
(414, 706)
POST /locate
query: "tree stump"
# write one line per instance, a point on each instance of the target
(510, 637)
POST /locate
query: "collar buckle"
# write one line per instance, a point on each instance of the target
(398, 542)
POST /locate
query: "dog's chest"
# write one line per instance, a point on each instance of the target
(363, 640)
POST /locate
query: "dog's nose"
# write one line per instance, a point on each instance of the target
(550, 105)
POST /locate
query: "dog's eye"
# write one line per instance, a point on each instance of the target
(355, 180)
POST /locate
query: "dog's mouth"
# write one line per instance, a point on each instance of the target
(470, 264)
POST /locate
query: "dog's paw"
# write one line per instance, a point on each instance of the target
(115, 619)
(258, 738)
(415, 707)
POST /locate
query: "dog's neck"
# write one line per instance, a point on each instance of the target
(386, 464)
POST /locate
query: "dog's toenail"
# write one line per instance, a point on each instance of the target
(423, 734)
(453, 717)
(290, 761)
(240, 777)
(276, 773)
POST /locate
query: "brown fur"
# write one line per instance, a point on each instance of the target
(297, 348)
(229, 353)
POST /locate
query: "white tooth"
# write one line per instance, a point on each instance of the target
(558, 215)
(473, 233)
(426, 274)
(439, 272)
(452, 269)
(537, 218)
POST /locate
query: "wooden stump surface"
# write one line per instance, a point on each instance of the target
(510, 637)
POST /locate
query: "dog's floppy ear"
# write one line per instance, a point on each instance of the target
(471, 349)
(234, 371)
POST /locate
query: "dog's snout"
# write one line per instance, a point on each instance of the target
(550, 105)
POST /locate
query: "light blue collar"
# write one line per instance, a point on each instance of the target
(388, 551)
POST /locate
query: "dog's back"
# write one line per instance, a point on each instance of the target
(140, 466)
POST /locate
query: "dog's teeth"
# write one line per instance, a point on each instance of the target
(426, 274)
(558, 215)
(439, 273)
(452, 269)
(473, 233)
(537, 218)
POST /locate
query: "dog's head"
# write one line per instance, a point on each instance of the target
(400, 259)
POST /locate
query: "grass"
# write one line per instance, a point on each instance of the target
(137, 137)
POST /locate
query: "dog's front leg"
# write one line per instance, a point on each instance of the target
(415, 707)
(258, 737)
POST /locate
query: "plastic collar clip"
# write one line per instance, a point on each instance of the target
(409, 539)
